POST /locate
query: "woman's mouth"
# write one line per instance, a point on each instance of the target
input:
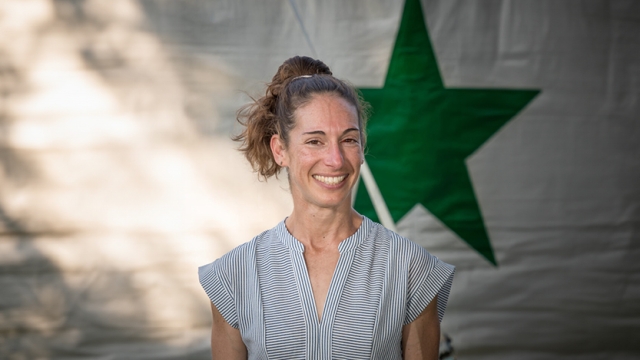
(330, 180)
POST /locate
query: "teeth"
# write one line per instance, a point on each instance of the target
(330, 180)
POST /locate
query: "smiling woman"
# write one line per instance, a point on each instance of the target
(326, 282)
(323, 152)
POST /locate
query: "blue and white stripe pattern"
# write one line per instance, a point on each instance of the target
(382, 281)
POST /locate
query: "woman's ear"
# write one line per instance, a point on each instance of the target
(279, 150)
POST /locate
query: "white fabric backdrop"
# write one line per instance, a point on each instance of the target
(118, 177)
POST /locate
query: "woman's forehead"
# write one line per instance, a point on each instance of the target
(326, 111)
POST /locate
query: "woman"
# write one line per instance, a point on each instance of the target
(326, 282)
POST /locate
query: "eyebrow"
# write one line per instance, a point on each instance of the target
(320, 132)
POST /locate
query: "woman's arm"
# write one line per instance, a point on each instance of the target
(226, 342)
(421, 338)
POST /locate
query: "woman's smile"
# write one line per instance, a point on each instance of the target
(330, 180)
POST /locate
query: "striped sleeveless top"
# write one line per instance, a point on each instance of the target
(382, 282)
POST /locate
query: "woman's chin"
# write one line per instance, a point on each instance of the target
(335, 203)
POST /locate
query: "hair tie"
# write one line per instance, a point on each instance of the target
(301, 76)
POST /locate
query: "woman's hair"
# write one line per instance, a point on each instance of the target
(298, 79)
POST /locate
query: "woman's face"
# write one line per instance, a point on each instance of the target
(324, 152)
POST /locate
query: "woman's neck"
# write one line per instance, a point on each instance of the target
(323, 227)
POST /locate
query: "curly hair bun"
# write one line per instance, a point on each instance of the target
(295, 67)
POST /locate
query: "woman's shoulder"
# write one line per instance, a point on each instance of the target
(396, 242)
(405, 252)
(241, 254)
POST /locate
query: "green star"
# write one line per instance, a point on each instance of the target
(420, 134)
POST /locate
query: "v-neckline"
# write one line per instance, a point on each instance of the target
(311, 301)
(338, 278)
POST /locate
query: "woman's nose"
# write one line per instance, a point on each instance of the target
(334, 156)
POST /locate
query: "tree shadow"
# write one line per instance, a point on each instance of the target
(57, 309)
(31, 286)
(48, 308)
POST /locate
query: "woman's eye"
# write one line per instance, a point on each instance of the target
(313, 142)
(351, 140)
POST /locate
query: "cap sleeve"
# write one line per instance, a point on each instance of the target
(218, 287)
(428, 277)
